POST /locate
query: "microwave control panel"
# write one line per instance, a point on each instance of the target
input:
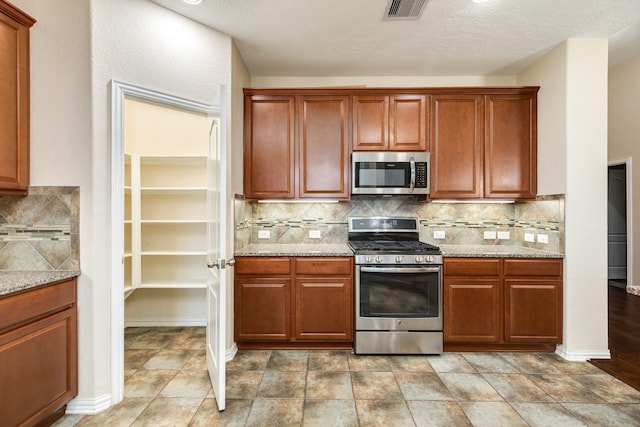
(421, 175)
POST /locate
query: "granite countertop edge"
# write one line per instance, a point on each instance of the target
(342, 249)
(16, 281)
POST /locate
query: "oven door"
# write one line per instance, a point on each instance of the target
(392, 297)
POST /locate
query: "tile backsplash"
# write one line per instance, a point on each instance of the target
(462, 223)
(40, 231)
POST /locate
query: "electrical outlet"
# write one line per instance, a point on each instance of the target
(314, 234)
(543, 238)
(438, 234)
(529, 237)
(504, 235)
(264, 234)
(489, 235)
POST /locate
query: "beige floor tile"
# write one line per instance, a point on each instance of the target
(249, 360)
(288, 360)
(197, 361)
(276, 412)
(450, 362)
(368, 363)
(168, 359)
(168, 412)
(529, 363)
(517, 388)
(422, 386)
(121, 415)
(329, 385)
(235, 413)
(243, 384)
(375, 385)
(604, 414)
(282, 385)
(136, 359)
(192, 384)
(384, 413)
(147, 383)
(489, 362)
(472, 387)
(492, 414)
(328, 361)
(402, 363)
(438, 414)
(609, 388)
(547, 414)
(563, 388)
(334, 413)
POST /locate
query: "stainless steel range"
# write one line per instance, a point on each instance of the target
(398, 288)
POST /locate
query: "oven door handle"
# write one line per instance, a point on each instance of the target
(400, 270)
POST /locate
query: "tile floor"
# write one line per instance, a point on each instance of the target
(166, 384)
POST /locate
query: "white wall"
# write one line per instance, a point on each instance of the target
(624, 140)
(77, 48)
(572, 159)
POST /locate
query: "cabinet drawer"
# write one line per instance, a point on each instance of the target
(263, 265)
(38, 303)
(471, 267)
(533, 267)
(323, 265)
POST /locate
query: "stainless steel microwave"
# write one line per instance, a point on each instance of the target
(390, 172)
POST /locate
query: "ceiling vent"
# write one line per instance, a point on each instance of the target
(405, 9)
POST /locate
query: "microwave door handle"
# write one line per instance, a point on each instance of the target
(412, 184)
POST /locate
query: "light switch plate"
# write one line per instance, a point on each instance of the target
(439, 234)
(529, 237)
(543, 238)
(314, 234)
(264, 234)
(504, 235)
(489, 235)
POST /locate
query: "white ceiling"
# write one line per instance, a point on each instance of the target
(453, 37)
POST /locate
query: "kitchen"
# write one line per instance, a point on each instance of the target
(572, 115)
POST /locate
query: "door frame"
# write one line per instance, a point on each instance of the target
(119, 91)
(629, 192)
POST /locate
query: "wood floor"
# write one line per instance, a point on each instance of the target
(624, 337)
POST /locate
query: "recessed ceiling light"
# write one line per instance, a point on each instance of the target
(192, 1)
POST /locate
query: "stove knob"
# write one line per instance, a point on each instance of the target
(428, 258)
(378, 259)
(419, 259)
(367, 259)
(399, 259)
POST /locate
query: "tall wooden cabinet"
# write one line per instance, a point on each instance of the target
(502, 303)
(296, 146)
(14, 99)
(484, 145)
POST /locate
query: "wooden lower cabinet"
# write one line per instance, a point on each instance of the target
(502, 304)
(286, 302)
(38, 354)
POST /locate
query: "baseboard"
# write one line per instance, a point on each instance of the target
(582, 355)
(162, 322)
(89, 406)
(231, 352)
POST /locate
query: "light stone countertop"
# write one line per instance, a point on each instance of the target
(342, 249)
(16, 281)
(303, 249)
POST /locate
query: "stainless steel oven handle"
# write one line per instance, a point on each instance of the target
(400, 270)
(412, 185)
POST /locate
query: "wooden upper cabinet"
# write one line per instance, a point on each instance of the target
(323, 164)
(296, 146)
(456, 146)
(510, 147)
(390, 122)
(370, 123)
(14, 99)
(269, 147)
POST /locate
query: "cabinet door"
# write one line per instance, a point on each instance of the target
(324, 147)
(472, 310)
(324, 309)
(269, 149)
(262, 307)
(408, 123)
(456, 146)
(370, 123)
(533, 311)
(510, 147)
(14, 99)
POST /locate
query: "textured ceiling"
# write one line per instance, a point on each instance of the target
(453, 37)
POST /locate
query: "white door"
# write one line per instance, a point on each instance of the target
(216, 263)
